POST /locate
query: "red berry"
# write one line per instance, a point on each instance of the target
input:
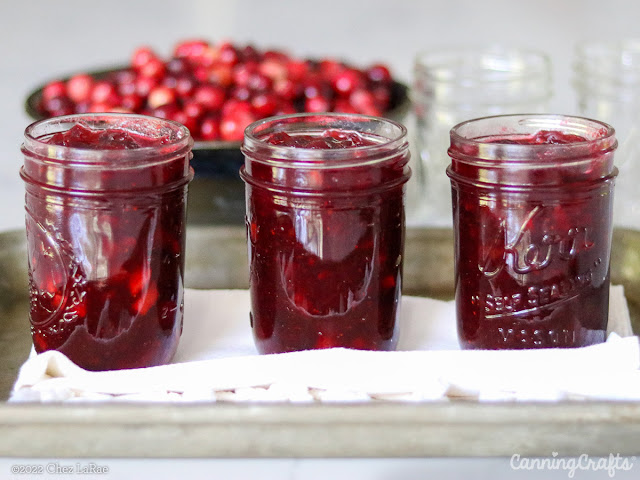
(298, 70)
(240, 92)
(153, 68)
(242, 72)
(347, 81)
(317, 104)
(104, 92)
(57, 106)
(132, 102)
(364, 102)
(378, 74)
(210, 96)
(274, 69)
(259, 82)
(79, 87)
(142, 56)
(227, 53)
(53, 90)
(286, 89)
(193, 50)
(166, 111)
(220, 74)
(161, 95)
(233, 123)
(264, 104)
(181, 116)
(210, 128)
(185, 86)
(143, 85)
(193, 109)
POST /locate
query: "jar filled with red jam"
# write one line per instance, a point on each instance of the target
(325, 226)
(105, 220)
(532, 213)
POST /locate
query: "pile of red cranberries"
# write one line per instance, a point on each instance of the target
(216, 90)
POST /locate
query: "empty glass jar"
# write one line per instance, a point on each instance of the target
(606, 79)
(453, 85)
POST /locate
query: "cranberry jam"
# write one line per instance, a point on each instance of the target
(532, 207)
(325, 227)
(105, 217)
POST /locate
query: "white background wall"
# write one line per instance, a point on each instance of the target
(40, 40)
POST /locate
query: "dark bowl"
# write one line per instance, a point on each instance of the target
(222, 159)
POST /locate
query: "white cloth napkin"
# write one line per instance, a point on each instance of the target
(217, 360)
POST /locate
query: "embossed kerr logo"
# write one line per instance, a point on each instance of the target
(524, 255)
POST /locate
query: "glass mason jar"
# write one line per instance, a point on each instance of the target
(457, 84)
(532, 207)
(105, 221)
(325, 226)
(607, 85)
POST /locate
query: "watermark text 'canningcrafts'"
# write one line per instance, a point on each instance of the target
(611, 464)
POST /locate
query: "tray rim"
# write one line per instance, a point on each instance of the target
(221, 430)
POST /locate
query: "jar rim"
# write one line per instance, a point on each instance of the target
(393, 133)
(34, 134)
(462, 63)
(599, 136)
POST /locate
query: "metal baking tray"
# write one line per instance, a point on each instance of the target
(216, 258)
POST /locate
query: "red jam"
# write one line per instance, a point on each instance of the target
(532, 240)
(326, 241)
(80, 136)
(106, 260)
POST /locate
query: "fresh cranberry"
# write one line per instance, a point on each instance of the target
(220, 74)
(275, 69)
(53, 90)
(346, 81)
(57, 106)
(210, 96)
(193, 50)
(242, 72)
(79, 87)
(378, 74)
(131, 102)
(317, 104)
(142, 56)
(144, 85)
(259, 82)
(286, 89)
(241, 93)
(185, 86)
(154, 68)
(210, 74)
(228, 54)
(364, 101)
(234, 122)
(161, 95)
(298, 70)
(182, 117)
(193, 109)
(249, 54)
(104, 92)
(178, 66)
(210, 128)
(285, 108)
(264, 104)
(166, 111)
